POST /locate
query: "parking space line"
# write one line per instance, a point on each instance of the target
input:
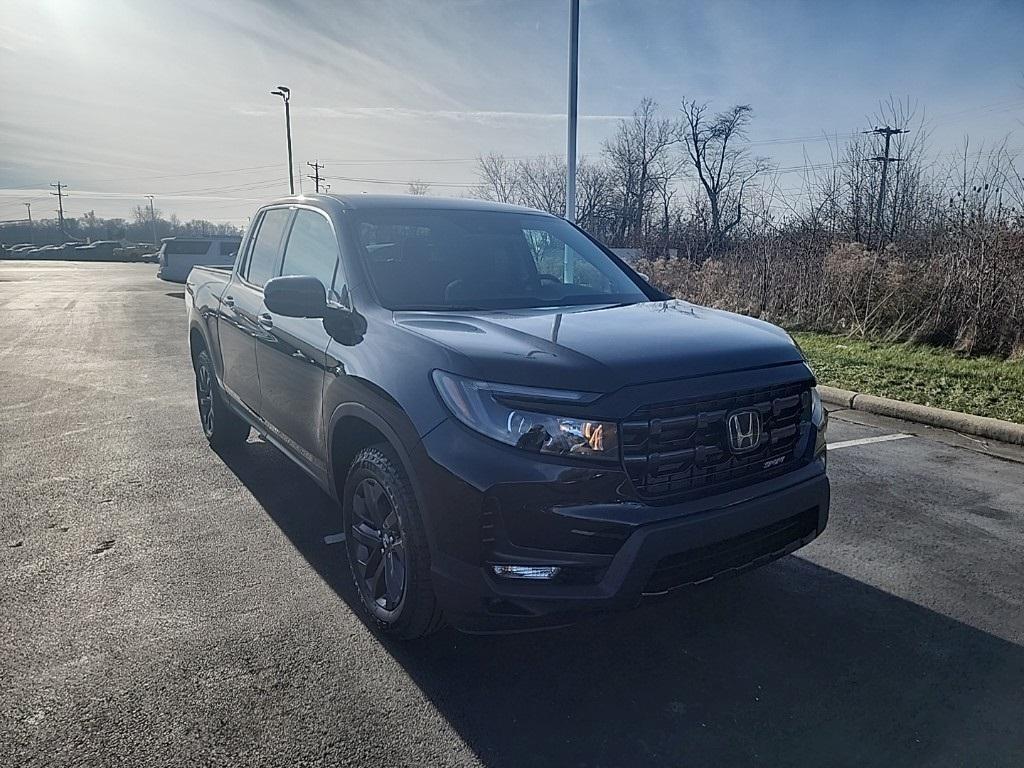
(866, 440)
(334, 538)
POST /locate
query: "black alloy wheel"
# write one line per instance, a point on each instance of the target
(204, 393)
(223, 427)
(380, 556)
(387, 548)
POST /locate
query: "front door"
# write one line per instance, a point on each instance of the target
(291, 353)
(241, 306)
(237, 330)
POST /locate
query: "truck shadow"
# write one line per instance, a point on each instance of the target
(793, 664)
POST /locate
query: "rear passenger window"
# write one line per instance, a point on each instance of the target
(312, 248)
(264, 258)
(187, 247)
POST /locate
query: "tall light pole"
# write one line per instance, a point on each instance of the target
(152, 217)
(286, 95)
(570, 153)
(31, 231)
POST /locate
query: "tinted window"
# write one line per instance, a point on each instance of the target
(312, 248)
(228, 247)
(440, 259)
(190, 247)
(263, 259)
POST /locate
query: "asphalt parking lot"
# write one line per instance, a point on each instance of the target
(159, 606)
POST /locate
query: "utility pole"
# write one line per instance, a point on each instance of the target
(152, 217)
(570, 154)
(286, 95)
(888, 133)
(31, 231)
(61, 190)
(316, 174)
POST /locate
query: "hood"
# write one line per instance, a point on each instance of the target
(601, 349)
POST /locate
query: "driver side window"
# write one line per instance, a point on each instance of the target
(553, 257)
(312, 248)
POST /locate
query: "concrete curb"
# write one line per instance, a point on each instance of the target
(965, 423)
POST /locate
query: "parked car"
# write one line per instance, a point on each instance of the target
(179, 254)
(134, 252)
(48, 252)
(517, 426)
(98, 250)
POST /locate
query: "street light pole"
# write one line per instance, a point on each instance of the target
(152, 217)
(31, 231)
(286, 94)
(574, 56)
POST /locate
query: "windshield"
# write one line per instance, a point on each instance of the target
(464, 260)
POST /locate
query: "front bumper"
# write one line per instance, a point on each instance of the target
(505, 507)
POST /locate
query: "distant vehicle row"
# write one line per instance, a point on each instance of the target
(176, 255)
(99, 250)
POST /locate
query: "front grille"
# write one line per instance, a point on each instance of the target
(678, 450)
(740, 552)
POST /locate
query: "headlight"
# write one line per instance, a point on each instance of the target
(818, 415)
(819, 418)
(490, 410)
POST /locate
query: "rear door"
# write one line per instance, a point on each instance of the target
(291, 352)
(242, 304)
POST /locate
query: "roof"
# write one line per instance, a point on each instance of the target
(423, 202)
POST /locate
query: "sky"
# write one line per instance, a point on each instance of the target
(123, 99)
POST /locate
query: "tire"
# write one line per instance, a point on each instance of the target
(387, 546)
(222, 426)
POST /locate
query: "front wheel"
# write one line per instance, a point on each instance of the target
(222, 426)
(387, 547)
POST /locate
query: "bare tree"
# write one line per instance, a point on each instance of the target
(595, 198)
(418, 187)
(499, 179)
(724, 167)
(541, 183)
(634, 153)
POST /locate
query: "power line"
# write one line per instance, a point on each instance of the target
(400, 182)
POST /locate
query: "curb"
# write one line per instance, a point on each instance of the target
(965, 423)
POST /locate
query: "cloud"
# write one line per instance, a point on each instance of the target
(480, 116)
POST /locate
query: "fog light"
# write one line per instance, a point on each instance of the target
(536, 572)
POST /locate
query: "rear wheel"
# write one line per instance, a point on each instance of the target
(222, 426)
(387, 548)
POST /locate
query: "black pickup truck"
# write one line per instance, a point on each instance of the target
(516, 425)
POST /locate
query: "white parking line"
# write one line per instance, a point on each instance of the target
(866, 440)
(334, 538)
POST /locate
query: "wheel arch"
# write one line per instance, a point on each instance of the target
(354, 426)
(196, 342)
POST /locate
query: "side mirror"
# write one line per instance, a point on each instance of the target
(295, 296)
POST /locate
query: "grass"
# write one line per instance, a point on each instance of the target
(984, 386)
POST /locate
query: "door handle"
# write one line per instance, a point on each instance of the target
(229, 301)
(265, 320)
